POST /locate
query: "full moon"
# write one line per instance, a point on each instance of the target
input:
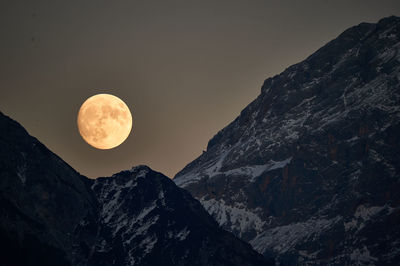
(104, 121)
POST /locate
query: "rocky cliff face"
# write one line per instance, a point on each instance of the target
(310, 170)
(51, 215)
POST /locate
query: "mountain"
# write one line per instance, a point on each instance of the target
(52, 215)
(43, 203)
(147, 217)
(309, 171)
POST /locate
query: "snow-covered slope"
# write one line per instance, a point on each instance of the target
(309, 171)
(148, 218)
(51, 215)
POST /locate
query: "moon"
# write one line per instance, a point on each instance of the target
(104, 121)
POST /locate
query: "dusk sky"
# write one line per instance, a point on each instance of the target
(185, 68)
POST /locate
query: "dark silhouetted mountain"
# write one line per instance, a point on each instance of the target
(52, 215)
(43, 203)
(310, 170)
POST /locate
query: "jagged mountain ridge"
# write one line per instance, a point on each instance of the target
(52, 215)
(310, 169)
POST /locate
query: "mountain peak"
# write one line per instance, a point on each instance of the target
(139, 168)
(135, 171)
(315, 149)
(146, 213)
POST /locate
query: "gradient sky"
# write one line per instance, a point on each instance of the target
(184, 68)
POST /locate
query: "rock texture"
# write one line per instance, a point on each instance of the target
(309, 171)
(51, 215)
(151, 221)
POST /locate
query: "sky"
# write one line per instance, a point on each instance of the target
(185, 68)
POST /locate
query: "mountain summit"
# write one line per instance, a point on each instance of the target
(310, 170)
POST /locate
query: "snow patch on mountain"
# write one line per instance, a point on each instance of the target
(183, 234)
(365, 213)
(363, 257)
(285, 237)
(256, 170)
(238, 217)
(111, 195)
(250, 172)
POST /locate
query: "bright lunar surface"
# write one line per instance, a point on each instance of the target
(104, 121)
